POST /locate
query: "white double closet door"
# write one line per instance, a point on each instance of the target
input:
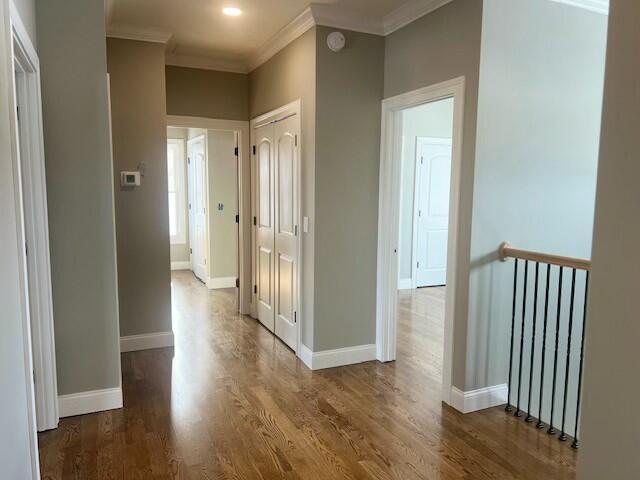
(277, 163)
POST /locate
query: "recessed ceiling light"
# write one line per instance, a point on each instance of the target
(232, 11)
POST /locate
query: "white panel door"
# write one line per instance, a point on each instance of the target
(197, 160)
(286, 231)
(265, 221)
(433, 171)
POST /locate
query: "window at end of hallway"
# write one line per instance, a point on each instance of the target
(177, 190)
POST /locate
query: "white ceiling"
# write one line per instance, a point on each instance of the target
(199, 33)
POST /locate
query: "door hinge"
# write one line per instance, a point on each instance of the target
(418, 265)
(421, 160)
(255, 220)
(18, 114)
(295, 317)
(191, 250)
(237, 218)
(237, 283)
(205, 261)
(419, 213)
(189, 205)
(254, 149)
(296, 140)
(235, 151)
(295, 230)
(26, 250)
(188, 160)
(255, 289)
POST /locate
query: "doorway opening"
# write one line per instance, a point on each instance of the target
(204, 165)
(420, 174)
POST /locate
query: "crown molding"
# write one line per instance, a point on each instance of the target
(598, 6)
(128, 32)
(329, 16)
(409, 12)
(284, 37)
(206, 63)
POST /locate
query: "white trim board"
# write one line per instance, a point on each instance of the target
(181, 265)
(474, 400)
(221, 282)
(146, 341)
(597, 6)
(90, 402)
(206, 63)
(140, 34)
(389, 219)
(338, 357)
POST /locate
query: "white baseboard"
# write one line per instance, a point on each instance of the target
(474, 400)
(221, 282)
(181, 265)
(146, 341)
(338, 357)
(90, 402)
(405, 284)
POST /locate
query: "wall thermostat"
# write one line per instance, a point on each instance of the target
(336, 41)
(130, 179)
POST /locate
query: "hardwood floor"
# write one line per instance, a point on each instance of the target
(233, 402)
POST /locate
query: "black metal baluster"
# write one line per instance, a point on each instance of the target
(540, 424)
(576, 443)
(524, 311)
(513, 322)
(552, 430)
(529, 418)
(563, 435)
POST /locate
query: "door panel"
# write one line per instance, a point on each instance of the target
(265, 271)
(433, 167)
(198, 206)
(286, 154)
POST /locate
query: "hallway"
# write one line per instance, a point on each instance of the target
(233, 402)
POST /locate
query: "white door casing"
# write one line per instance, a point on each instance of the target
(286, 231)
(389, 220)
(431, 211)
(197, 162)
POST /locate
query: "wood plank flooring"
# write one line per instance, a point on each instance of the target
(232, 402)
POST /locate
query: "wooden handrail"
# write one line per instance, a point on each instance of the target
(507, 251)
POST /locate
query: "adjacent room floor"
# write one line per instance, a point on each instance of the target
(231, 401)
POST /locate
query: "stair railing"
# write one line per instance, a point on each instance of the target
(562, 332)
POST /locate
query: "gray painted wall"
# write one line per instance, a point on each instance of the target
(142, 216)
(288, 76)
(431, 120)
(223, 188)
(536, 157)
(348, 96)
(206, 93)
(27, 11)
(438, 47)
(80, 193)
(611, 433)
(180, 252)
(15, 453)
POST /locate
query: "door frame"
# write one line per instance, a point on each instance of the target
(389, 219)
(29, 149)
(285, 111)
(241, 129)
(416, 201)
(191, 170)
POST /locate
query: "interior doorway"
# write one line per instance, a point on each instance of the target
(420, 175)
(208, 174)
(277, 245)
